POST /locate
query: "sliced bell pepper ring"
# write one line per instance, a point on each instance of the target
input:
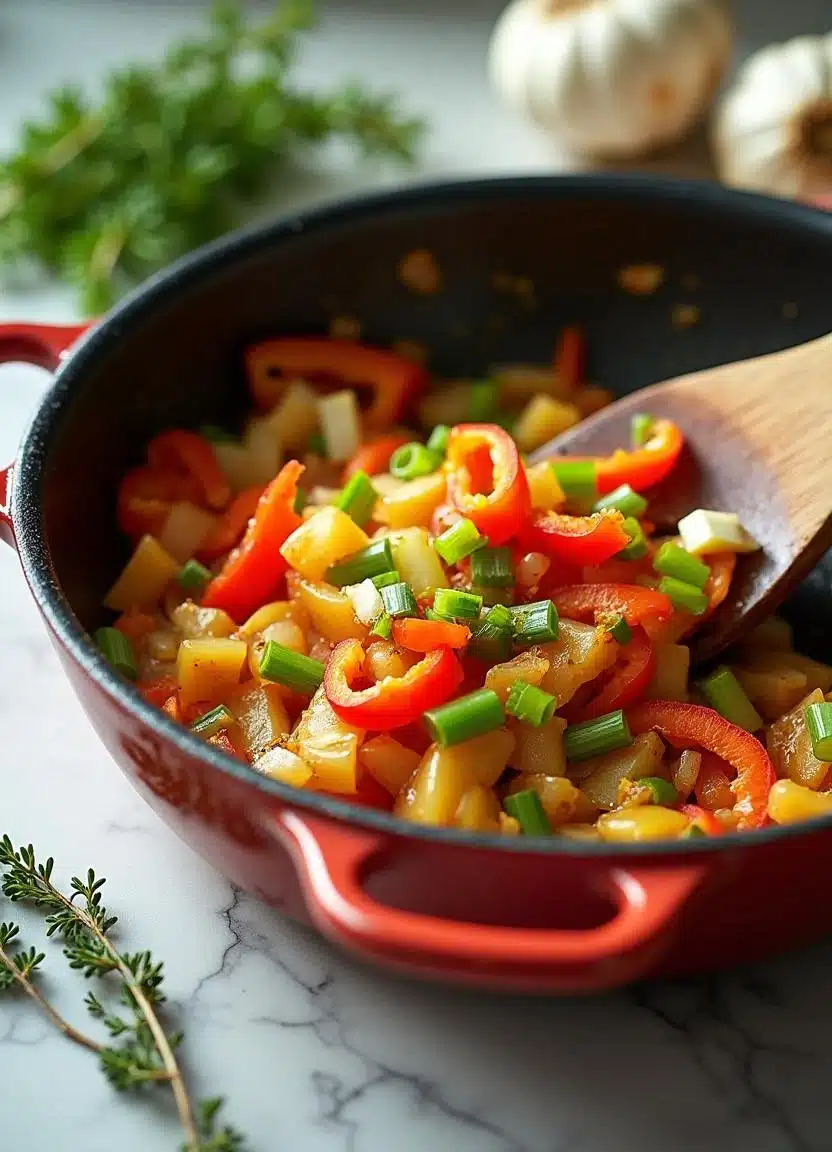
(425, 635)
(693, 726)
(570, 356)
(145, 496)
(394, 701)
(577, 540)
(627, 683)
(703, 819)
(374, 455)
(589, 602)
(231, 525)
(643, 467)
(486, 481)
(192, 455)
(253, 572)
(391, 380)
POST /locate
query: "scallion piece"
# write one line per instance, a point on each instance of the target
(459, 541)
(398, 599)
(283, 666)
(465, 718)
(535, 623)
(819, 723)
(368, 562)
(577, 478)
(595, 737)
(193, 576)
(682, 595)
(529, 703)
(724, 692)
(482, 401)
(412, 461)
(492, 568)
(671, 560)
(620, 630)
(641, 428)
(385, 579)
(527, 809)
(623, 500)
(491, 638)
(438, 440)
(299, 501)
(638, 544)
(491, 597)
(212, 722)
(217, 435)
(357, 498)
(452, 603)
(432, 614)
(663, 791)
(118, 651)
(383, 627)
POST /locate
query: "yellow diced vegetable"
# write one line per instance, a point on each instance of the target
(388, 762)
(285, 632)
(283, 765)
(197, 623)
(772, 691)
(261, 717)
(478, 810)
(580, 653)
(413, 503)
(642, 758)
(255, 460)
(144, 578)
(340, 424)
(790, 746)
(704, 532)
(482, 759)
(384, 660)
(530, 666)
(817, 675)
(324, 539)
(652, 822)
(328, 745)
(670, 678)
(558, 795)
(508, 825)
(416, 561)
(270, 614)
(544, 489)
(330, 611)
(208, 669)
(295, 417)
(540, 750)
(774, 633)
(434, 791)
(162, 644)
(184, 529)
(790, 803)
(685, 773)
(541, 420)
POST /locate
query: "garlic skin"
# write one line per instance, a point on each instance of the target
(611, 78)
(773, 130)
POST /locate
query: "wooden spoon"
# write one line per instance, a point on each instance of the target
(759, 443)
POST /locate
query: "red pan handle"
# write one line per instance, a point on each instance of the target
(334, 858)
(43, 345)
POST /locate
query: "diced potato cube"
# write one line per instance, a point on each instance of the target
(328, 745)
(261, 717)
(685, 773)
(434, 791)
(558, 795)
(772, 691)
(184, 529)
(670, 678)
(482, 759)
(208, 669)
(340, 424)
(295, 417)
(530, 666)
(321, 541)
(544, 489)
(774, 633)
(197, 623)
(413, 503)
(417, 562)
(580, 653)
(790, 746)
(144, 577)
(478, 810)
(542, 419)
(642, 758)
(540, 750)
(270, 614)
(283, 765)
(651, 822)
(817, 675)
(330, 611)
(704, 532)
(390, 763)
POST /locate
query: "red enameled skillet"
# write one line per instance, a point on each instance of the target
(549, 915)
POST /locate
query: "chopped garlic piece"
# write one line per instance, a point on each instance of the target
(704, 532)
(340, 425)
(366, 600)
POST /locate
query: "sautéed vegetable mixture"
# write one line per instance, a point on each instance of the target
(424, 622)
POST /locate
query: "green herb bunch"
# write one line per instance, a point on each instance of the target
(140, 1050)
(102, 194)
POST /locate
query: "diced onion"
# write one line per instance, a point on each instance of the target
(184, 529)
(704, 531)
(340, 424)
(366, 600)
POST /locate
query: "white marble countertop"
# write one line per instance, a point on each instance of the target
(314, 1052)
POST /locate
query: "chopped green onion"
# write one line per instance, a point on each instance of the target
(527, 809)
(412, 461)
(641, 428)
(482, 401)
(692, 832)
(217, 435)
(118, 651)
(491, 638)
(530, 703)
(399, 599)
(638, 544)
(492, 568)
(620, 630)
(432, 614)
(724, 692)
(449, 602)
(465, 718)
(683, 595)
(577, 478)
(316, 445)
(500, 617)
(300, 501)
(211, 722)
(535, 623)
(663, 791)
(283, 666)
(623, 500)
(385, 579)
(595, 737)
(671, 560)
(438, 440)
(459, 541)
(368, 562)
(819, 724)
(193, 576)
(383, 626)
(357, 498)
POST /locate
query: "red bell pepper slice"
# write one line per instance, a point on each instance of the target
(628, 682)
(722, 565)
(486, 481)
(703, 819)
(156, 692)
(643, 467)
(425, 635)
(374, 455)
(391, 702)
(192, 455)
(576, 540)
(590, 602)
(391, 380)
(252, 573)
(692, 726)
(570, 356)
(231, 525)
(145, 496)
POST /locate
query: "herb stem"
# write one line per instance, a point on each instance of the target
(46, 1008)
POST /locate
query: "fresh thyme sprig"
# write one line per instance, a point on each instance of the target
(142, 1051)
(103, 193)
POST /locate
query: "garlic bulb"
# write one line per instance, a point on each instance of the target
(773, 132)
(611, 77)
